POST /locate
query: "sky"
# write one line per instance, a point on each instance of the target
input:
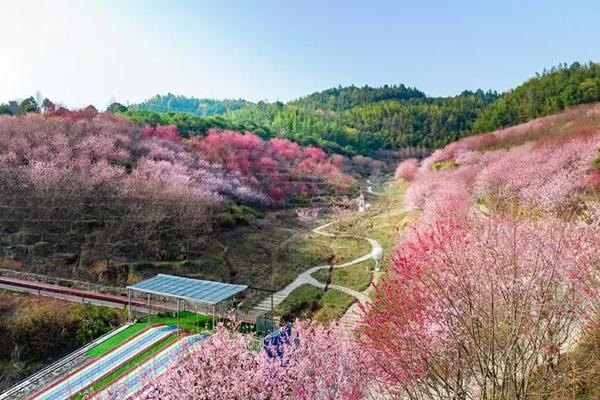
(80, 52)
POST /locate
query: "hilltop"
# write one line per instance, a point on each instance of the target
(383, 121)
(192, 105)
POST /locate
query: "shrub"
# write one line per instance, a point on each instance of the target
(44, 330)
(407, 169)
(94, 321)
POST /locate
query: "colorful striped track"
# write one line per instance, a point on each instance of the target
(137, 381)
(106, 364)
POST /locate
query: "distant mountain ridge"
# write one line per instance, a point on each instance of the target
(177, 103)
(373, 121)
(344, 98)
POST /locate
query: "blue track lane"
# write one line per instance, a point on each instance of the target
(107, 363)
(137, 381)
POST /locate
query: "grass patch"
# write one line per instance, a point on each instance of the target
(343, 249)
(444, 164)
(130, 365)
(332, 306)
(300, 303)
(357, 277)
(308, 301)
(498, 205)
(187, 320)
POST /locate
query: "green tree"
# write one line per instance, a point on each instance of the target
(116, 108)
(590, 89)
(545, 94)
(5, 109)
(571, 95)
(93, 321)
(29, 105)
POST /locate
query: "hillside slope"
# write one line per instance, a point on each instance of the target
(362, 124)
(501, 265)
(548, 93)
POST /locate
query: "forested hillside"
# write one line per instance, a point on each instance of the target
(194, 125)
(364, 120)
(343, 98)
(336, 126)
(193, 105)
(547, 93)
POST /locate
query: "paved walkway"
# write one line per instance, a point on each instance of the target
(306, 277)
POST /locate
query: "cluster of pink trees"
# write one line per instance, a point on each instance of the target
(53, 110)
(317, 364)
(475, 308)
(407, 169)
(166, 132)
(482, 306)
(60, 175)
(549, 173)
(281, 167)
(565, 123)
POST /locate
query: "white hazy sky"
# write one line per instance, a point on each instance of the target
(81, 52)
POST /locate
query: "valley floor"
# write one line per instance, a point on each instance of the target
(352, 280)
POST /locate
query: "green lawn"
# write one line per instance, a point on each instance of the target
(357, 277)
(187, 320)
(344, 249)
(299, 303)
(332, 306)
(309, 301)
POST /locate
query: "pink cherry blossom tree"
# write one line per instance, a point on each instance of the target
(473, 308)
(318, 363)
(407, 169)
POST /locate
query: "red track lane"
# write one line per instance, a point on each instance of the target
(46, 287)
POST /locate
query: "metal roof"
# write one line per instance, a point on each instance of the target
(195, 290)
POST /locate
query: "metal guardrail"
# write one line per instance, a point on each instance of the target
(63, 361)
(66, 282)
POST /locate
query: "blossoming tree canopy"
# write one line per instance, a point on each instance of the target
(58, 171)
(498, 277)
(465, 291)
(319, 363)
(280, 166)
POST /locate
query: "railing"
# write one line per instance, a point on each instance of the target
(63, 361)
(72, 283)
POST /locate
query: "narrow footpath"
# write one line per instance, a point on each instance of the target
(306, 278)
